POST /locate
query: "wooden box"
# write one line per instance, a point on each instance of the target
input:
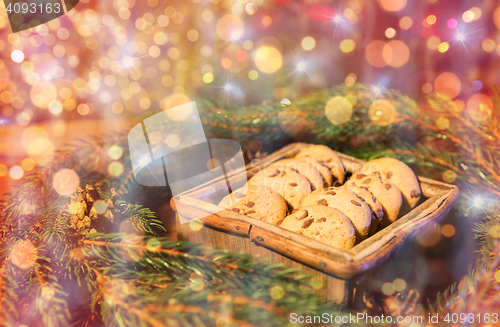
(239, 233)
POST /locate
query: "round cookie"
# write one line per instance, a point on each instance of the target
(234, 197)
(287, 182)
(324, 224)
(377, 209)
(324, 154)
(303, 168)
(353, 206)
(263, 203)
(398, 173)
(323, 170)
(386, 192)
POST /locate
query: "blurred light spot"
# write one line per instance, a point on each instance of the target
(433, 42)
(477, 85)
(494, 231)
(449, 176)
(317, 282)
(373, 53)
(396, 53)
(28, 164)
(208, 78)
(488, 45)
(431, 19)
(443, 47)
(390, 32)
(23, 254)
(268, 59)
(448, 230)
(468, 16)
(443, 123)
(230, 27)
(427, 88)
(253, 75)
(478, 201)
(430, 237)
(496, 275)
(479, 107)
(285, 102)
(16, 172)
(225, 63)
(406, 23)
(496, 17)
(452, 23)
(399, 284)
(350, 79)
(392, 5)
(65, 182)
(347, 45)
(196, 225)
(153, 245)
(338, 110)
(448, 84)
(267, 21)
(100, 207)
(55, 107)
(115, 169)
(477, 12)
(382, 112)
(388, 289)
(115, 152)
(308, 43)
(17, 56)
(172, 141)
(277, 292)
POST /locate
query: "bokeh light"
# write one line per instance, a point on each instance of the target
(17, 56)
(268, 59)
(431, 20)
(115, 152)
(488, 45)
(100, 207)
(23, 254)
(443, 123)
(16, 172)
(396, 53)
(448, 84)
(308, 43)
(277, 292)
(392, 5)
(448, 230)
(452, 23)
(443, 47)
(28, 164)
(399, 284)
(374, 53)
(390, 33)
(405, 23)
(468, 16)
(230, 27)
(388, 289)
(3, 170)
(116, 168)
(347, 45)
(382, 112)
(449, 176)
(338, 110)
(479, 107)
(65, 182)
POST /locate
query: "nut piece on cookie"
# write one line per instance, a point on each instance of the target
(260, 202)
(324, 224)
(353, 206)
(398, 173)
(326, 174)
(384, 191)
(377, 209)
(326, 156)
(304, 168)
(290, 184)
(234, 197)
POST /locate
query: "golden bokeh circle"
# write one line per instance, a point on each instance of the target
(338, 110)
(382, 112)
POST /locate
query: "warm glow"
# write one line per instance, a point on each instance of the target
(338, 110)
(427, 88)
(16, 172)
(479, 107)
(65, 182)
(373, 53)
(448, 230)
(448, 84)
(347, 45)
(405, 23)
(390, 32)
(268, 59)
(382, 112)
(396, 53)
(230, 28)
(431, 20)
(468, 16)
(496, 17)
(308, 43)
(392, 5)
(443, 47)
(452, 23)
(488, 45)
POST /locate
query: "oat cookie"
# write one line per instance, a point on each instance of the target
(261, 202)
(327, 156)
(324, 224)
(398, 173)
(234, 197)
(303, 168)
(353, 206)
(377, 209)
(386, 192)
(326, 174)
(287, 182)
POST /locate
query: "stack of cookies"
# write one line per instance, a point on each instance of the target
(309, 194)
